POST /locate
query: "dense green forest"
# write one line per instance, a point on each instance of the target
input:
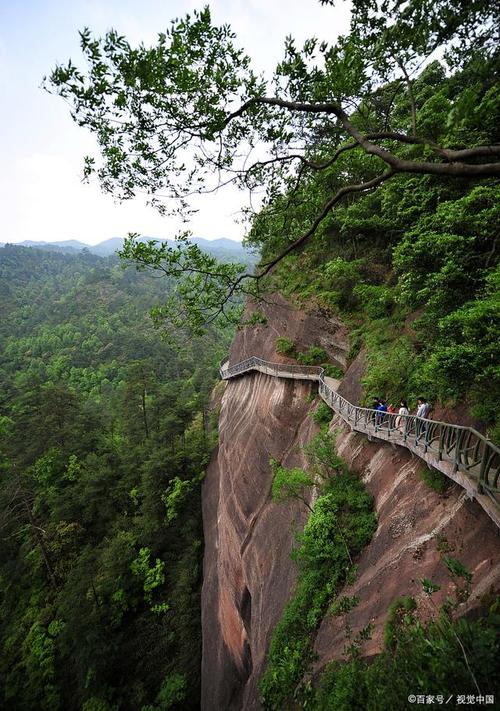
(105, 435)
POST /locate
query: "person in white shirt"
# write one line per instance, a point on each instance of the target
(403, 410)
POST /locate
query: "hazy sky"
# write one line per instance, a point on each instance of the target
(41, 193)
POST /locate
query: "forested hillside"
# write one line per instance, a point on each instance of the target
(105, 434)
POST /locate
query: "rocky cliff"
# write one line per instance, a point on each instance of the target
(248, 574)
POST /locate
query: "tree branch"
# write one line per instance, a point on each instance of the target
(398, 165)
(412, 98)
(308, 163)
(448, 153)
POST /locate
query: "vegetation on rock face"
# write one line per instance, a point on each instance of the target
(104, 439)
(424, 660)
(285, 346)
(435, 479)
(289, 483)
(444, 659)
(322, 415)
(340, 525)
(315, 355)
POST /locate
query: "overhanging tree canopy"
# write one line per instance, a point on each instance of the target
(189, 115)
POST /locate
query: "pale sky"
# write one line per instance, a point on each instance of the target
(41, 193)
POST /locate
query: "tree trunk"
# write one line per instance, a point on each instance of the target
(144, 413)
(39, 538)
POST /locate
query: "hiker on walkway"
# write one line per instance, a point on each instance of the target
(423, 410)
(381, 410)
(403, 410)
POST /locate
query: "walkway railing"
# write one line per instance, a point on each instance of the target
(462, 453)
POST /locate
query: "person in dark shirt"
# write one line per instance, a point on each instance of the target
(382, 409)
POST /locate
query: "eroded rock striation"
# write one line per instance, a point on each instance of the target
(248, 573)
(416, 527)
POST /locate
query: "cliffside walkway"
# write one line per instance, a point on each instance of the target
(461, 453)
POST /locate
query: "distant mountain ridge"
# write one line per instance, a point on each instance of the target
(217, 247)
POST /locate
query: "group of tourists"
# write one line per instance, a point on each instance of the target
(383, 408)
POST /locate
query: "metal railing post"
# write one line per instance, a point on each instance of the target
(440, 445)
(483, 469)
(458, 454)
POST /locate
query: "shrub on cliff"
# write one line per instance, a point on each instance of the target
(421, 660)
(333, 371)
(322, 415)
(289, 483)
(341, 524)
(435, 479)
(285, 346)
(315, 355)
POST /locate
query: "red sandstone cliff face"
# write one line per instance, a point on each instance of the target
(414, 522)
(247, 571)
(305, 329)
(248, 575)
